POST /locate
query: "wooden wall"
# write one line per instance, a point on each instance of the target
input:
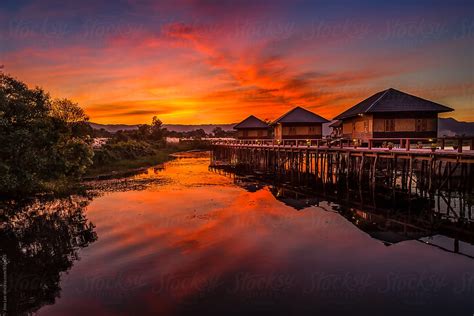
(409, 125)
(360, 127)
(405, 125)
(295, 131)
(253, 133)
(386, 125)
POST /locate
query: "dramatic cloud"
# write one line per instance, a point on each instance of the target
(217, 62)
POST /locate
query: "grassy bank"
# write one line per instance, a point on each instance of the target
(127, 165)
(125, 158)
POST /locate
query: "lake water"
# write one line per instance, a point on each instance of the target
(184, 239)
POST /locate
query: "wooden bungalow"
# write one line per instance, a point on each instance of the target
(391, 114)
(253, 128)
(299, 123)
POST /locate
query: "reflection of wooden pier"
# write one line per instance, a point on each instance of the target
(431, 168)
(386, 215)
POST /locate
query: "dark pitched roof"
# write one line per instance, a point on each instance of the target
(251, 122)
(392, 100)
(300, 115)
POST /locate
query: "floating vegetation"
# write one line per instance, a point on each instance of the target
(123, 185)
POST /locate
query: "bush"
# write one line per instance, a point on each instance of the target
(42, 140)
(122, 150)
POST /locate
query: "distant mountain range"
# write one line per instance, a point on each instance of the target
(208, 128)
(113, 128)
(446, 127)
(451, 127)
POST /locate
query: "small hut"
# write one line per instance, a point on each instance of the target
(299, 123)
(392, 114)
(252, 128)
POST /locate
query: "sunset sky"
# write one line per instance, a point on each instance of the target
(198, 62)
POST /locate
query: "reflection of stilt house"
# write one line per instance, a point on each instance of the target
(383, 228)
(392, 114)
(252, 128)
(293, 198)
(299, 123)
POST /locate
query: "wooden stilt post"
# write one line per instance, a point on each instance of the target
(361, 168)
(410, 178)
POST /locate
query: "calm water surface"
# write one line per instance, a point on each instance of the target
(188, 240)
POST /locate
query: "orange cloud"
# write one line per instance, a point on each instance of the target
(221, 71)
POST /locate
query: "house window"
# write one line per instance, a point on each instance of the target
(292, 130)
(421, 125)
(312, 130)
(390, 125)
(366, 126)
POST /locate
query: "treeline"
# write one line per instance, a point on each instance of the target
(200, 133)
(45, 142)
(128, 149)
(194, 134)
(147, 140)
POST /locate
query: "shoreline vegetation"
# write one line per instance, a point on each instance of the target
(123, 168)
(48, 145)
(46, 142)
(128, 167)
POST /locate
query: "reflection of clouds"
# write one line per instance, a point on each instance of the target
(235, 225)
(205, 227)
(196, 240)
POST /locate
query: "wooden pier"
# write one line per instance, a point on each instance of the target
(405, 163)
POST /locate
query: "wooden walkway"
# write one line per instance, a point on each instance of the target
(467, 155)
(437, 169)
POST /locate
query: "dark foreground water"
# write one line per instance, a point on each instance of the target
(187, 240)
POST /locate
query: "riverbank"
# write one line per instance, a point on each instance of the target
(128, 167)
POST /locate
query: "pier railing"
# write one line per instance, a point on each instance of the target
(390, 161)
(457, 144)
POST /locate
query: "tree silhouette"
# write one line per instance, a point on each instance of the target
(39, 240)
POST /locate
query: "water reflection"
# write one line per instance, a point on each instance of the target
(187, 240)
(388, 215)
(39, 241)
